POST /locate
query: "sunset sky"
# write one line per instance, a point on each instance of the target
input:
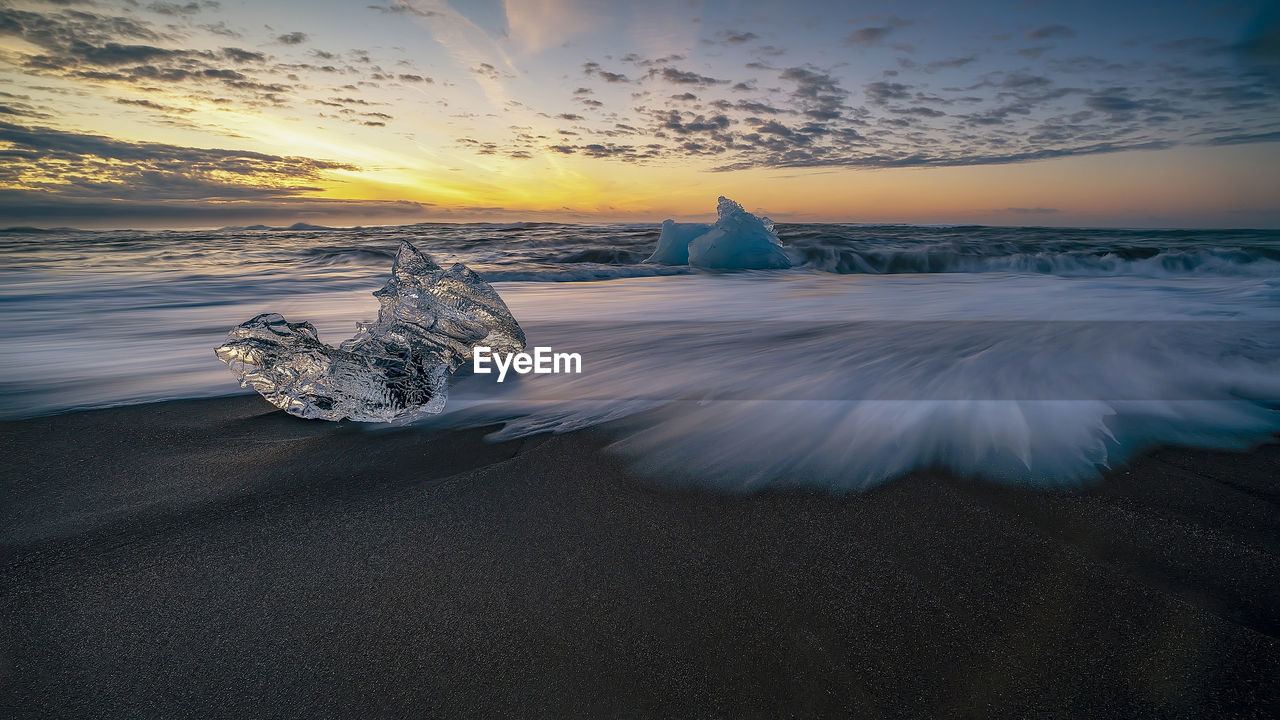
(182, 114)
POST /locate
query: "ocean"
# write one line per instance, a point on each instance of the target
(1037, 355)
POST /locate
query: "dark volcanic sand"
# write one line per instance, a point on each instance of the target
(217, 558)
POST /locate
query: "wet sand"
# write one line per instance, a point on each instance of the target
(218, 558)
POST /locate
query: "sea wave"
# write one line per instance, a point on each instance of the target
(338, 255)
(1141, 261)
(578, 272)
(535, 251)
(1032, 354)
(733, 384)
(605, 255)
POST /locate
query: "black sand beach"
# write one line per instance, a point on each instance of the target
(217, 558)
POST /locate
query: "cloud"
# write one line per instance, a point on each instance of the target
(684, 77)
(115, 54)
(220, 28)
(83, 46)
(403, 7)
(35, 207)
(730, 37)
(674, 121)
(1032, 210)
(293, 38)
(1112, 103)
(812, 84)
(171, 8)
(812, 120)
(1023, 81)
(881, 92)
(650, 62)
(79, 165)
(1239, 97)
(16, 106)
(947, 109)
(150, 105)
(1244, 138)
(868, 35)
(918, 110)
(1049, 32)
(954, 62)
(593, 68)
(243, 56)
(818, 94)
(773, 127)
(1119, 105)
(874, 34)
(918, 158)
(73, 27)
(613, 151)
(755, 108)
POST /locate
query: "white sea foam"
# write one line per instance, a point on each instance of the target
(744, 381)
(1033, 354)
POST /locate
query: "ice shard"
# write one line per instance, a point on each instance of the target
(395, 369)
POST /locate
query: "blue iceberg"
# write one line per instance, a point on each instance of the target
(737, 241)
(673, 244)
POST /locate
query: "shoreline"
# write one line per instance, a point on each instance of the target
(216, 556)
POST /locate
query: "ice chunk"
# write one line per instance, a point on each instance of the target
(393, 370)
(673, 244)
(738, 240)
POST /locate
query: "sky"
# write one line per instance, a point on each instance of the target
(207, 114)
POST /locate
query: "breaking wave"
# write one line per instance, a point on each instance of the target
(582, 272)
(741, 382)
(1028, 354)
(556, 253)
(1140, 261)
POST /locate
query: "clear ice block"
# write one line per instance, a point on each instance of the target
(394, 370)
